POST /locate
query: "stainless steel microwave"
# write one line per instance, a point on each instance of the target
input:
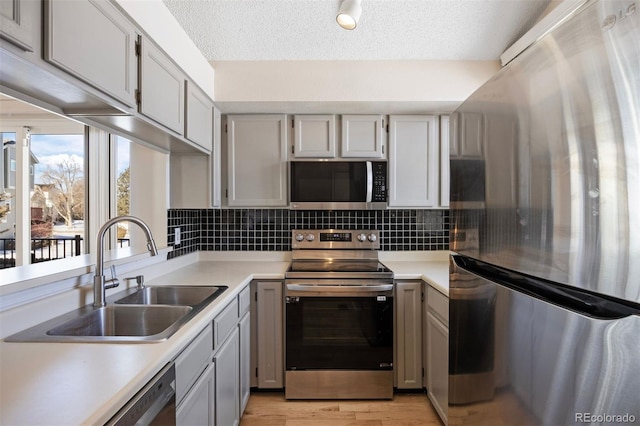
(338, 185)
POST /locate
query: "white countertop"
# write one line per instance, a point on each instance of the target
(432, 267)
(87, 383)
(436, 273)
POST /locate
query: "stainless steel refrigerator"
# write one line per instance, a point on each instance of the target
(544, 320)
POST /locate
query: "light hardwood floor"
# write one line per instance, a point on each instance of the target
(271, 409)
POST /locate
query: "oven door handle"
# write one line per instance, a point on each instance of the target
(340, 289)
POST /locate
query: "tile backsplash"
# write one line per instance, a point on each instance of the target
(270, 229)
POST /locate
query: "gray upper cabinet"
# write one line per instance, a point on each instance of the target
(199, 117)
(413, 161)
(16, 22)
(444, 161)
(96, 43)
(467, 133)
(314, 136)
(257, 160)
(362, 136)
(162, 87)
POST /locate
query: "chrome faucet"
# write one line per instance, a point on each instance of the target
(99, 283)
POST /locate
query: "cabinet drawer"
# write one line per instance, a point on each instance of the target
(224, 323)
(192, 361)
(244, 300)
(438, 305)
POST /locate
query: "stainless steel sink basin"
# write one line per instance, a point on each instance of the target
(173, 295)
(150, 314)
(111, 320)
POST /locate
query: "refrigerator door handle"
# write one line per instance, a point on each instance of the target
(574, 299)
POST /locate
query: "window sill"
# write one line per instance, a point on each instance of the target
(29, 283)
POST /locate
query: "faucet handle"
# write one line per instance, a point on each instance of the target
(113, 282)
(139, 280)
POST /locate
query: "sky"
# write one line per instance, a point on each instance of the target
(51, 149)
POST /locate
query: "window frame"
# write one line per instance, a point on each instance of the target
(24, 127)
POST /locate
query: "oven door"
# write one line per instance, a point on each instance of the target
(339, 326)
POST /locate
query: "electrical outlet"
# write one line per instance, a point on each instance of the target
(176, 237)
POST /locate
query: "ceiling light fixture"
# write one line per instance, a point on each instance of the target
(349, 13)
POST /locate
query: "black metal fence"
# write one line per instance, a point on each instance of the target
(47, 249)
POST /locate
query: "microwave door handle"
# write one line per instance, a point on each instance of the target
(369, 182)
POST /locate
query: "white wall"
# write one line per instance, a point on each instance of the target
(149, 198)
(348, 86)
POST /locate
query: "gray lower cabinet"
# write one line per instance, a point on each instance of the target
(16, 22)
(195, 380)
(212, 372)
(198, 407)
(408, 363)
(267, 312)
(437, 323)
(162, 88)
(226, 362)
(95, 42)
(244, 329)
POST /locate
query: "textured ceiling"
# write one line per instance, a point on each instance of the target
(239, 30)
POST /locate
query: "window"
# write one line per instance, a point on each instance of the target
(7, 197)
(120, 154)
(61, 180)
(43, 172)
(57, 188)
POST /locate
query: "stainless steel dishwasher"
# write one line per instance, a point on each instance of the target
(155, 404)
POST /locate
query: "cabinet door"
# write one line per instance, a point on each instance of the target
(454, 135)
(192, 361)
(199, 117)
(16, 22)
(93, 41)
(408, 363)
(198, 407)
(438, 365)
(270, 340)
(216, 160)
(244, 328)
(425, 337)
(162, 88)
(444, 161)
(362, 136)
(257, 160)
(227, 391)
(471, 135)
(314, 136)
(413, 161)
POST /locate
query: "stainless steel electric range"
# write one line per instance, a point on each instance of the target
(339, 317)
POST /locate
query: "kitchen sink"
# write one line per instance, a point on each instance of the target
(173, 295)
(113, 320)
(149, 314)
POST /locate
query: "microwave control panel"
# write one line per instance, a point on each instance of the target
(379, 182)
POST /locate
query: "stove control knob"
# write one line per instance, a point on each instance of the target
(311, 237)
(299, 237)
(362, 238)
(373, 238)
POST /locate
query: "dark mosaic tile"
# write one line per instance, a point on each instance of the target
(270, 229)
